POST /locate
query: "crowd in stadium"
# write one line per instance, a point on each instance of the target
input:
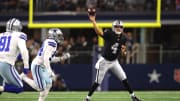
(81, 42)
(110, 5)
(81, 5)
(71, 44)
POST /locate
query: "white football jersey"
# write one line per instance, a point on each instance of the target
(46, 52)
(11, 45)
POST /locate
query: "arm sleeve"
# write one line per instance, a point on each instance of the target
(23, 50)
(55, 59)
(47, 55)
(65, 56)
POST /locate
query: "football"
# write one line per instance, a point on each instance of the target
(92, 11)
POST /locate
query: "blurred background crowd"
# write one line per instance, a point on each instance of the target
(80, 42)
(81, 5)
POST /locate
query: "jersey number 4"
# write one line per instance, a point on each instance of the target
(114, 48)
(5, 43)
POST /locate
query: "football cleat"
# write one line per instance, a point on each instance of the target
(86, 99)
(134, 98)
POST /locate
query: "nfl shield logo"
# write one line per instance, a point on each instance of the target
(177, 75)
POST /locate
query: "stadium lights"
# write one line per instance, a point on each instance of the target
(157, 23)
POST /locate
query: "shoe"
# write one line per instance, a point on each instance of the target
(1, 91)
(86, 99)
(134, 98)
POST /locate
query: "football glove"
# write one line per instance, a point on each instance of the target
(65, 56)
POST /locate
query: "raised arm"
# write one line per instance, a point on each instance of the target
(92, 18)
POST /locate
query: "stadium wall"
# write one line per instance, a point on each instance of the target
(166, 18)
(141, 76)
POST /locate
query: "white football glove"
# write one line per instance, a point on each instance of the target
(65, 56)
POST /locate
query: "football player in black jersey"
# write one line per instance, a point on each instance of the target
(114, 45)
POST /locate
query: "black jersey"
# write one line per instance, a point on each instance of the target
(112, 45)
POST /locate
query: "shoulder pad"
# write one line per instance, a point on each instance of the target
(23, 36)
(51, 43)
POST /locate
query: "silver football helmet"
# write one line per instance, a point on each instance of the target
(13, 25)
(56, 34)
(117, 24)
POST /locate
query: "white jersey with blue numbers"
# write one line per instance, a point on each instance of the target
(11, 45)
(45, 53)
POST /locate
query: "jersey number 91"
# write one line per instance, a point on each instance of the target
(5, 43)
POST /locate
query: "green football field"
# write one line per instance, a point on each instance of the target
(98, 96)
